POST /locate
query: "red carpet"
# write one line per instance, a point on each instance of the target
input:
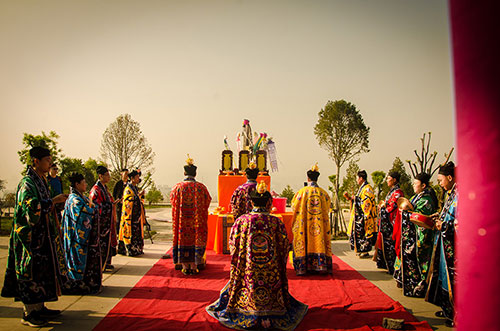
(165, 299)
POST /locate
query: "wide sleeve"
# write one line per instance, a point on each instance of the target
(424, 206)
(392, 203)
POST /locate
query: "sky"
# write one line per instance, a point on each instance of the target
(190, 71)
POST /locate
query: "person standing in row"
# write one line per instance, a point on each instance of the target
(386, 253)
(81, 241)
(442, 272)
(35, 265)
(133, 218)
(312, 252)
(105, 216)
(118, 195)
(412, 264)
(190, 201)
(362, 228)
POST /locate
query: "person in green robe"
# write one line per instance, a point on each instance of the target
(35, 266)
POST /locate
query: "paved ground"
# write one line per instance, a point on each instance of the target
(84, 312)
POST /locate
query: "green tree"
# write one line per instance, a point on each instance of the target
(405, 182)
(378, 181)
(154, 195)
(48, 141)
(349, 183)
(288, 194)
(125, 146)
(69, 165)
(9, 201)
(342, 132)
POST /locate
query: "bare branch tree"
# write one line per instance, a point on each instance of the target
(425, 161)
(125, 146)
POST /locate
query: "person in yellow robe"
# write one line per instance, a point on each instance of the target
(312, 252)
(362, 229)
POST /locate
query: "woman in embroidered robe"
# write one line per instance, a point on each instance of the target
(190, 201)
(442, 272)
(362, 228)
(81, 241)
(412, 264)
(386, 253)
(133, 218)
(312, 252)
(257, 296)
(105, 216)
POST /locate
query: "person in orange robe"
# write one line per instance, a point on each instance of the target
(190, 201)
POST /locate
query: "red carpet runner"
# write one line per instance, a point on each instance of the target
(165, 299)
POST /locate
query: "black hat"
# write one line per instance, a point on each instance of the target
(39, 152)
(313, 173)
(394, 174)
(124, 169)
(75, 177)
(447, 169)
(190, 168)
(133, 173)
(363, 174)
(252, 171)
(423, 177)
(260, 196)
(101, 170)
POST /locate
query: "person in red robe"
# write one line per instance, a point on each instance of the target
(190, 201)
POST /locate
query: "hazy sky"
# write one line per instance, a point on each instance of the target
(191, 71)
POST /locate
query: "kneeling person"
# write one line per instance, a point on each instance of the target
(256, 295)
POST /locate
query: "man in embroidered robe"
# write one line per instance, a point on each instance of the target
(240, 200)
(105, 216)
(412, 264)
(190, 201)
(442, 272)
(133, 218)
(256, 296)
(386, 253)
(35, 265)
(81, 241)
(362, 228)
(312, 250)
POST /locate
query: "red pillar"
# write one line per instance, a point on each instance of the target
(475, 33)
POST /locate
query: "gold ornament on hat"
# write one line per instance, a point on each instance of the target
(252, 165)
(189, 160)
(261, 187)
(315, 167)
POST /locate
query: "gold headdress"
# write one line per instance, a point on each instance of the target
(252, 165)
(189, 160)
(315, 167)
(261, 187)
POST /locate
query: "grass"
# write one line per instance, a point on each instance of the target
(5, 226)
(147, 206)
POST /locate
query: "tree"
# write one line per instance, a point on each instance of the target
(425, 161)
(349, 183)
(2, 187)
(125, 146)
(69, 165)
(378, 181)
(9, 201)
(154, 195)
(48, 141)
(288, 194)
(342, 132)
(405, 182)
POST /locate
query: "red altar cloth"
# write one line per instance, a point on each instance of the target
(215, 230)
(228, 183)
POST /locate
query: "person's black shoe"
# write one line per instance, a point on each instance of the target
(33, 319)
(449, 323)
(439, 314)
(109, 266)
(48, 313)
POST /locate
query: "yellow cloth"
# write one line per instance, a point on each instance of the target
(310, 224)
(125, 234)
(369, 207)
